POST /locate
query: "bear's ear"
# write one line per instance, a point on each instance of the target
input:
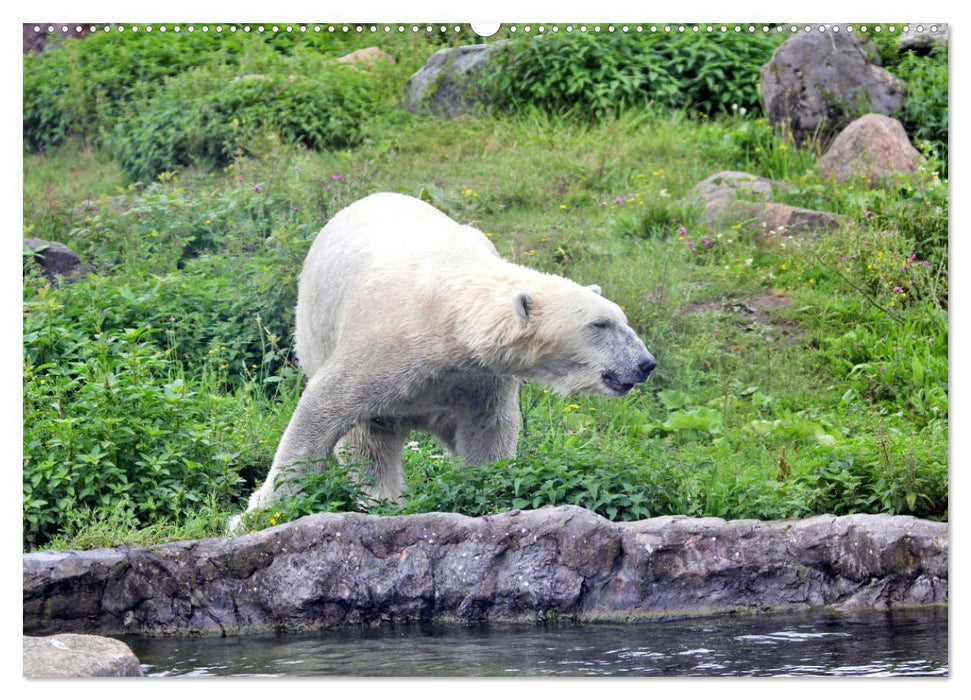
(595, 288)
(523, 305)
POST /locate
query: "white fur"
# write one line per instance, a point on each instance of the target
(408, 320)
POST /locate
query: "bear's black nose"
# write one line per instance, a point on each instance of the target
(646, 366)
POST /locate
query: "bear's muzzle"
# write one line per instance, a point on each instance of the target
(621, 383)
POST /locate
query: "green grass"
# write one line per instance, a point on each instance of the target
(791, 381)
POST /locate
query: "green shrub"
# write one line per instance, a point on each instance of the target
(612, 485)
(599, 76)
(80, 88)
(158, 229)
(111, 425)
(239, 318)
(925, 111)
(896, 474)
(886, 476)
(86, 88)
(210, 268)
(208, 117)
(138, 394)
(331, 488)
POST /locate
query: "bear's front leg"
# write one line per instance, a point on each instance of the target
(489, 431)
(336, 398)
(326, 411)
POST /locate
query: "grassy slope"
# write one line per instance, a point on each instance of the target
(753, 411)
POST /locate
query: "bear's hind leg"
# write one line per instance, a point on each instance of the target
(443, 428)
(376, 446)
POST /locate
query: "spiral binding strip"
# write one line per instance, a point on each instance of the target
(527, 29)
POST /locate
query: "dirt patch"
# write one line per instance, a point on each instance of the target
(769, 301)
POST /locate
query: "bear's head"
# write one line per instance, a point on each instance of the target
(578, 341)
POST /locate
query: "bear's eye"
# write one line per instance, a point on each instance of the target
(600, 324)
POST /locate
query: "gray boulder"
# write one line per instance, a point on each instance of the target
(732, 184)
(56, 260)
(767, 217)
(872, 147)
(731, 198)
(329, 569)
(447, 85)
(369, 56)
(921, 37)
(816, 82)
(78, 656)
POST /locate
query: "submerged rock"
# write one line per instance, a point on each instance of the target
(327, 570)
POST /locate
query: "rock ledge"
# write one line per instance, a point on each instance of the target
(328, 570)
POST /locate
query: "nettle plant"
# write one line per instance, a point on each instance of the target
(111, 424)
(593, 77)
(925, 110)
(81, 88)
(209, 116)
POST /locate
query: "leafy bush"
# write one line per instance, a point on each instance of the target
(913, 481)
(160, 228)
(87, 87)
(212, 270)
(925, 111)
(110, 425)
(243, 324)
(890, 473)
(241, 309)
(608, 484)
(138, 394)
(80, 88)
(208, 117)
(599, 76)
(331, 488)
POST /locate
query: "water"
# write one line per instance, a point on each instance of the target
(899, 643)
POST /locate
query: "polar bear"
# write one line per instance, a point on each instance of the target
(407, 320)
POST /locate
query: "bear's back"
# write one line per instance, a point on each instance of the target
(380, 254)
(394, 227)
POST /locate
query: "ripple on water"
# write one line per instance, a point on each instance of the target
(901, 643)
